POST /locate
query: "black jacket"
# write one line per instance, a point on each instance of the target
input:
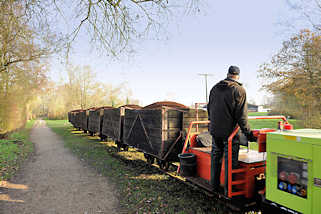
(227, 107)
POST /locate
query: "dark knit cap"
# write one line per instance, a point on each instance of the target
(234, 70)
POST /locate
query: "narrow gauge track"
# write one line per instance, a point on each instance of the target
(231, 205)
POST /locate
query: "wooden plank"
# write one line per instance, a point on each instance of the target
(186, 125)
(112, 123)
(174, 124)
(152, 130)
(84, 120)
(94, 121)
(151, 118)
(174, 113)
(78, 120)
(194, 118)
(200, 130)
(193, 112)
(129, 120)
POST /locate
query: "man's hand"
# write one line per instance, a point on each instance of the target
(251, 137)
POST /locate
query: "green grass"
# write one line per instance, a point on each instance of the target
(140, 188)
(14, 150)
(269, 123)
(257, 114)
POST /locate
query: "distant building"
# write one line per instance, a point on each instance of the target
(252, 107)
(262, 109)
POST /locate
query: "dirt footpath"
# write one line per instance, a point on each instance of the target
(55, 181)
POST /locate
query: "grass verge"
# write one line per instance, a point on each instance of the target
(14, 150)
(141, 189)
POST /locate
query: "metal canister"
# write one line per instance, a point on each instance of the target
(280, 125)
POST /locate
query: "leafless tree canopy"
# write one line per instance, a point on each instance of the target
(110, 25)
(32, 30)
(307, 14)
(53, 25)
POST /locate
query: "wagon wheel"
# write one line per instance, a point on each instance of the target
(146, 156)
(164, 165)
(102, 138)
(118, 146)
(150, 160)
(125, 147)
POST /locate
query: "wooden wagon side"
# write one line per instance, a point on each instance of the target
(112, 123)
(72, 117)
(156, 132)
(84, 120)
(69, 117)
(195, 115)
(77, 119)
(94, 119)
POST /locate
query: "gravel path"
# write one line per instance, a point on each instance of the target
(55, 181)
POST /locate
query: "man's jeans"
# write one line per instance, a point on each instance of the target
(220, 147)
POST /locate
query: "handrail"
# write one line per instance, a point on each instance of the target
(229, 158)
(230, 138)
(268, 117)
(189, 131)
(188, 135)
(207, 121)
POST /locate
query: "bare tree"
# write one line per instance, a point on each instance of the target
(307, 14)
(20, 41)
(110, 25)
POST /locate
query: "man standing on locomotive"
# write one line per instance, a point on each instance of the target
(227, 108)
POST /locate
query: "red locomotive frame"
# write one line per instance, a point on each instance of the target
(245, 174)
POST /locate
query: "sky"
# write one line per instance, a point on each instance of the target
(243, 33)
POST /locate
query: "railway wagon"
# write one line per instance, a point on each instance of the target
(156, 130)
(95, 120)
(84, 116)
(83, 119)
(112, 123)
(76, 118)
(69, 117)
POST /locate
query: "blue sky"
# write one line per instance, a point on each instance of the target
(243, 33)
